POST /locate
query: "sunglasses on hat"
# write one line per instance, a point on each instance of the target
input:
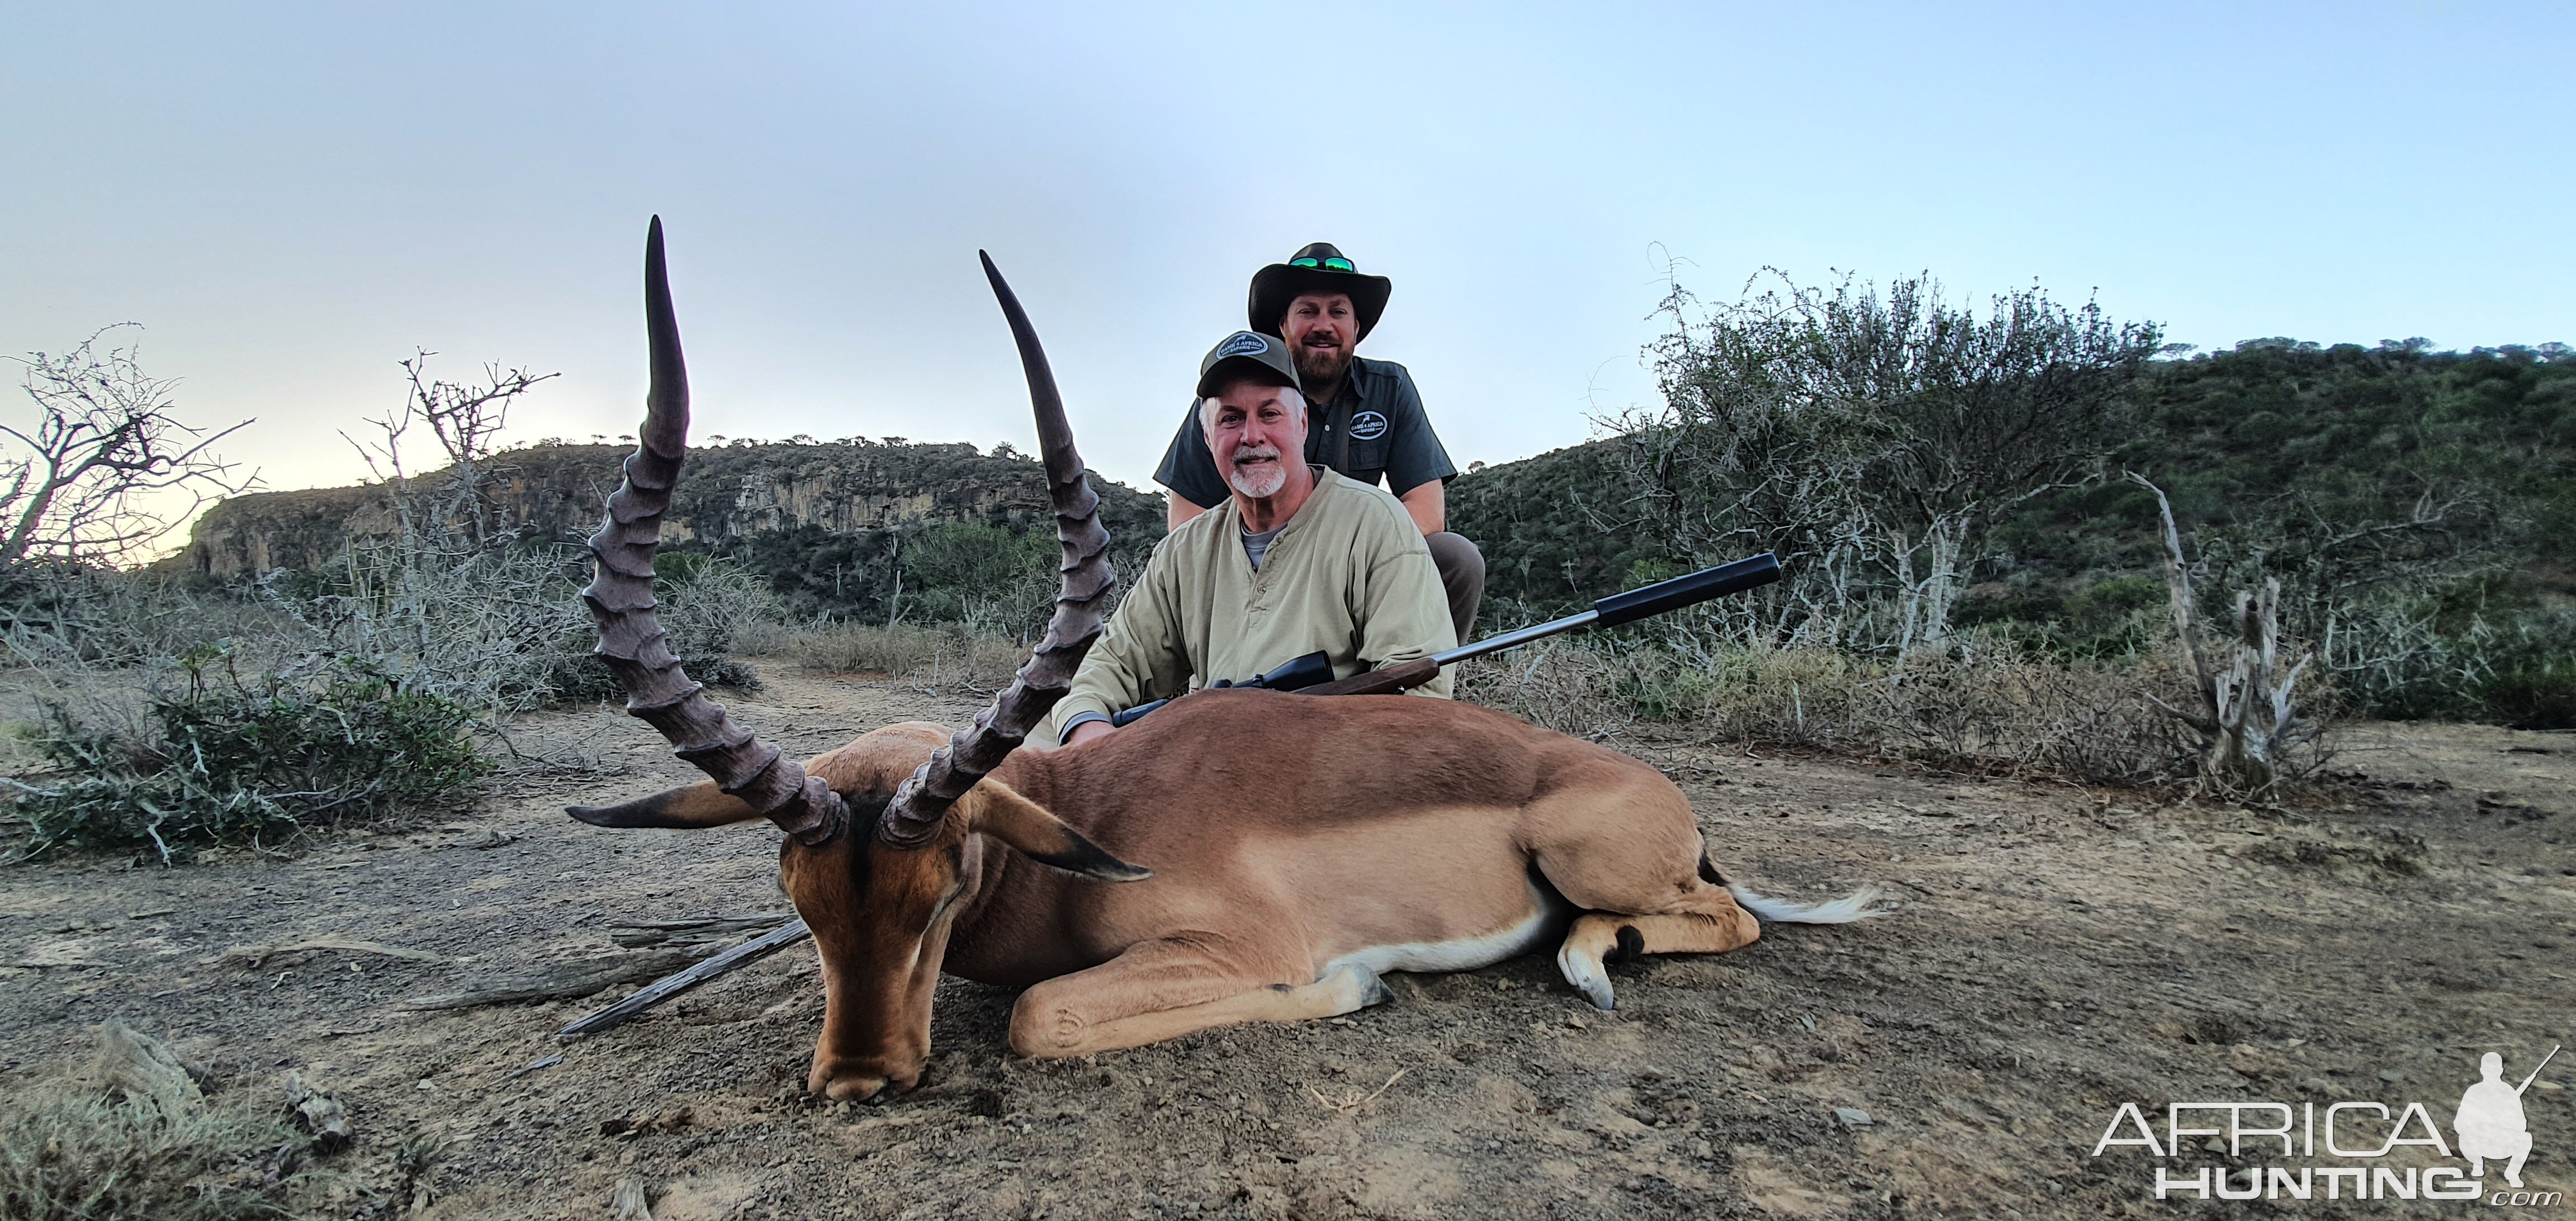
(1336, 264)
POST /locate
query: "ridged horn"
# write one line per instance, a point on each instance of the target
(621, 600)
(913, 816)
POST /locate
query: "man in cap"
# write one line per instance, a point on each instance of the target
(1368, 423)
(1295, 559)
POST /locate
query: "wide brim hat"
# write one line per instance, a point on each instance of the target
(1314, 270)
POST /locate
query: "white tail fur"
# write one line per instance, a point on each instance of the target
(1858, 905)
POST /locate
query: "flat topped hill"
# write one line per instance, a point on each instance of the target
(727, 495)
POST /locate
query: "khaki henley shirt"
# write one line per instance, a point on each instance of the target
(1348, 575)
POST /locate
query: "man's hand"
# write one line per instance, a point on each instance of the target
(1088, 730)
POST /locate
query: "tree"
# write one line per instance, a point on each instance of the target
(2251, 733)
(466, 419)
(1876, 438)
(94, 478)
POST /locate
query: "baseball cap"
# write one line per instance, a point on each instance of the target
(1246, 354)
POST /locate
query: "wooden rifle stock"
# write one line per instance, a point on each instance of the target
(1389, 681)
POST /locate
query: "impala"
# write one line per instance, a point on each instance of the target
(1240, 856)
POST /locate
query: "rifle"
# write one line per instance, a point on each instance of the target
(2535, 1073)
(1298, 674)
(1308, 673)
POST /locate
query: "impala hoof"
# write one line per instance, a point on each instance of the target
(869, 1090)
(1586, 974)
(1353, 988)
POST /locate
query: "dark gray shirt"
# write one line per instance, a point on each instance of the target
(1374, 429)
(1257, 545)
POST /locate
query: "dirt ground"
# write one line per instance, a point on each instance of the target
(2057, 953)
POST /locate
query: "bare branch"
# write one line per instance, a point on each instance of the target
(105, 444)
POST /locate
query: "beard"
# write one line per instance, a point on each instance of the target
(1262, 481)
(1320, 368)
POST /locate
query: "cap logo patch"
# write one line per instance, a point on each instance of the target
(1242, 343)
(1367, 426)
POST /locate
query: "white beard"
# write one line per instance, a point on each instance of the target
(1260, 483)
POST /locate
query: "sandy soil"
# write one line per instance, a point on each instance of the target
(2059, 953)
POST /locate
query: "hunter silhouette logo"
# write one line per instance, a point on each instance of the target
(2342, 1150)
(1367, 426)
(1242, 343)
(2490, 1121)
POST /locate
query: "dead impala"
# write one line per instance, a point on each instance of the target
(1299, 845)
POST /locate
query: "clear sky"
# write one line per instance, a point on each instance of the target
(292, 198)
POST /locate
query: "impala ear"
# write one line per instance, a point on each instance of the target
(999, 811)
(698, 805)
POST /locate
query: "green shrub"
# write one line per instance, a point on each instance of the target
(249, 760)
(2504, 664)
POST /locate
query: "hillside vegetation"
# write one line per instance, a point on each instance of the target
(2419, 505)
(1969, 503)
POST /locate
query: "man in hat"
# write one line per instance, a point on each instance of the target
(1295, 559)
(1368, 421)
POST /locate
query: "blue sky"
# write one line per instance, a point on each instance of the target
(292, 198)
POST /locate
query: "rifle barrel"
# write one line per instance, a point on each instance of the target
(1496, 644)
(1689, 589)
(2535, 1071)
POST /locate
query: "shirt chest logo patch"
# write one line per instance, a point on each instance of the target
(1368, 426)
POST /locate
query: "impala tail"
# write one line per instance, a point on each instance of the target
(1865, 903)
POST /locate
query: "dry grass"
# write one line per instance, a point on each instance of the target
(859, 648)
(72, 1156)
(947, 655)
(1982, 702)
(136, 1136)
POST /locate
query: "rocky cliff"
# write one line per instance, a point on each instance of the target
(729, 497)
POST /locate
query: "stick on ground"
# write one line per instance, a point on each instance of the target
(694, 930)
(661, 990)
(561, 981)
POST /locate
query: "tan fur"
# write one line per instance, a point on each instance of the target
(1298, 845)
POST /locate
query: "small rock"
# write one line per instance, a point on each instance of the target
(2214, 1145)
(321, 1114)
(1852, 1117)
(2391, 1075)
(1576, 1021)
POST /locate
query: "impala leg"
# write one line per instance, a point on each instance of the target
(1600, 938)
(1626, 849)
(1165, 989)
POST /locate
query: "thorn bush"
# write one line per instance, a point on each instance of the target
(249, 760)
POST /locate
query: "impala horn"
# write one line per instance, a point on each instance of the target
(621, 599)
(913, 816)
